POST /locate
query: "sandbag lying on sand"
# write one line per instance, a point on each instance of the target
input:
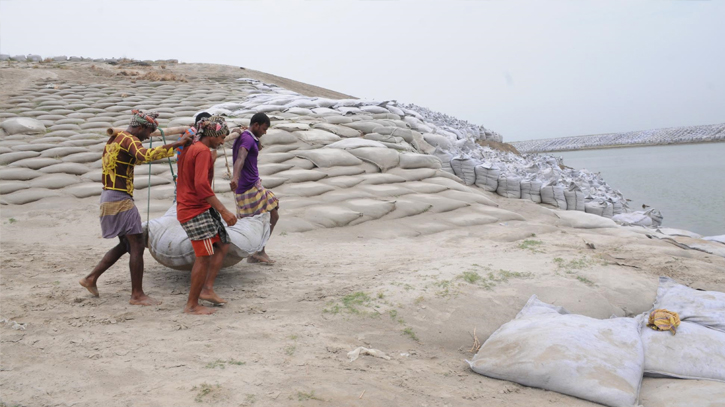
(695, 352)
(170, 246)
(650, 218)
(546, 347)
(706, 308)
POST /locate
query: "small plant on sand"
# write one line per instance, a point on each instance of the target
(204, 390)
(303, 396)
(12, 220)
(221, 364)
(471, 277)
(532, 245)
(289, 350)
(585, 281)
(408, 331)
(283, 234)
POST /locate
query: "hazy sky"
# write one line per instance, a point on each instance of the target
(527, 69)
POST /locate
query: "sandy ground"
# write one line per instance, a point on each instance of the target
(284, 336)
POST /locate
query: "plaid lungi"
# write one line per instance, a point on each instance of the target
(205, 226)
(256, 201)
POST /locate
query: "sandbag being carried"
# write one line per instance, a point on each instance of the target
(509, 186)
(546, 347)
(169, 244)
(465, 168)
(706, 308)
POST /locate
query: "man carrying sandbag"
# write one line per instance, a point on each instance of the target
(119, 215)
(252, 198)
(200, 213)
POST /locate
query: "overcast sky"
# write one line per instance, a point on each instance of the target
(527, 69)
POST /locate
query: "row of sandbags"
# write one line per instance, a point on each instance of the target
(491, 178)
(604, 360)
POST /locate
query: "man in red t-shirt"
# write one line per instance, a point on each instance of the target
(198, 210)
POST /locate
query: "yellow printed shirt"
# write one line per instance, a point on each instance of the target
(121, 154)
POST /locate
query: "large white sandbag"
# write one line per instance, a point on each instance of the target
(583, 220)
(681, 393)
(316, 136)
(411, 161)
(531, 189)
(352, 143)
(445, 158)
(695, 352)
(405, 134)
(509, 186)
(22, 125)
(546, 347)
(437, 140)
(649, 218)
(169, 244)
(382, 158)
(341, 131)
(465, 168)
(553, 195)
(595, 208)
(574, 198)
(328, 157)
(706, 308)
(487, 177)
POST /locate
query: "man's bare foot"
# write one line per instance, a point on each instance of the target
(211, 297)
(260, 257)
(144, 300)
(199, 310)
(90, 286)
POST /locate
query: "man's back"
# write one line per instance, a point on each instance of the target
(193, 186)
(250, 174)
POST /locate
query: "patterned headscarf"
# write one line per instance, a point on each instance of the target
(214, 126)
(141, 119)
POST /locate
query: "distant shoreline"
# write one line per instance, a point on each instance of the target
(618, 146)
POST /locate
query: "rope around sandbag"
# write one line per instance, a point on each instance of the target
(148, 187)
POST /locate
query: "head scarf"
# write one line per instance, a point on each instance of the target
(214, 126)
(141, 119)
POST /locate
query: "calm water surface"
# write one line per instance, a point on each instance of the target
(685, 182)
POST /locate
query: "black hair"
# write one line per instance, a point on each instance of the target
(260, 118)
(202, 115)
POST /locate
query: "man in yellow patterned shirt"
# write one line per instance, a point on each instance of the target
(119, 216)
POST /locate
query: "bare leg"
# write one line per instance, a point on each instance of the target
(108, 260)
(198, 277)
(261, 256)
(207, 292)
(136, 265)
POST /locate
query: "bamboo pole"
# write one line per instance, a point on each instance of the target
(171, 131)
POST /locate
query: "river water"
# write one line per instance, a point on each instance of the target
(685, 182)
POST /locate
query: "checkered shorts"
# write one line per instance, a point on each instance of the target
(206, 226)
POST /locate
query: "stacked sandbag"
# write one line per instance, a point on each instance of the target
(600, 208)
(487, 176)
(465, 168)
(553, 195)
(650, 218)
(531, 190)
(445, 159)
(509, 186)
(548, 348)
(574, 198)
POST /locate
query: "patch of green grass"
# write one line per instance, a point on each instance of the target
(250, 399)
(283, 234)
(293, 337)
(408, 331)
(532, 245)
(585, 281)
(221, 364)
(419, 300)
(471, 277)
(204, 390)
(505, 275)
(289, 350)
(381, 295)
(12, 220)
(352, 301)
(302, 396)
(393, 313)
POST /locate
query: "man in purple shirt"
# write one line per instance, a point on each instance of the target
(252, 198)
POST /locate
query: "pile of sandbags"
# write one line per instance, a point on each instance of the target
(604, 361)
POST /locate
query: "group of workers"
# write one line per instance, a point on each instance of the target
(198, 209)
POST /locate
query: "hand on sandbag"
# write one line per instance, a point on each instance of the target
(229, 218)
